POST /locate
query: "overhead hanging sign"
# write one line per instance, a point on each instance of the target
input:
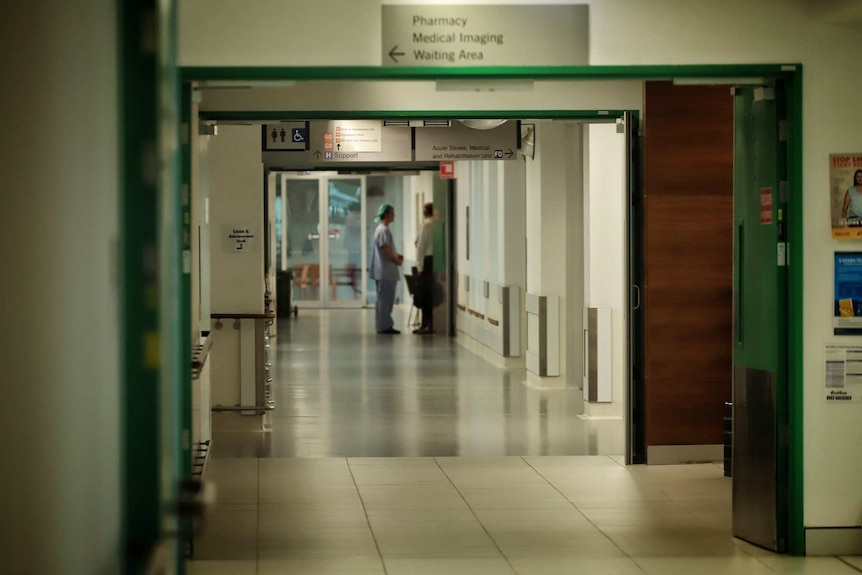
(459, 142)
(485, 35)
(392, 145)
(353, 136)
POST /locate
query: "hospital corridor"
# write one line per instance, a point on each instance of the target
(412, 455)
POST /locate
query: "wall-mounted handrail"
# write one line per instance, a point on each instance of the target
(218, 408)
(200, 352)
(266, 315)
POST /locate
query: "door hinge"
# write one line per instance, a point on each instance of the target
(782, 130)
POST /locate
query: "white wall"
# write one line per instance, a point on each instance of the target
(226, 32)
(236, 198)
(554, 240)
(605, 250)
(59, 222)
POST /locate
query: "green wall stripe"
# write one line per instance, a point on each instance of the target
(140, 329)
(224, 73)
(186, 303)
(274, 115)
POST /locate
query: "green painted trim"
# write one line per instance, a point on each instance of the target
(174, 332)
(141, 456)
(225, 73)
(796, 395)
(274, 116)
(186, 291)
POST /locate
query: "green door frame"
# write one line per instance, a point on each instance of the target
(153, 352)
(790, 73)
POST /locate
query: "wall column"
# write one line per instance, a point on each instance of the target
(237, 275)
(555, 244)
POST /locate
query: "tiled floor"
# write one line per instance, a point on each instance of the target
(410, 455)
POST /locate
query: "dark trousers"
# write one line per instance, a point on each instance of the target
(426, 284)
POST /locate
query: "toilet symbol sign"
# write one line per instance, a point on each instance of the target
(285, 136)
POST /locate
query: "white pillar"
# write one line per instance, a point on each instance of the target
(555, 241)
(236, 267)
(605, 261)
(512, 239)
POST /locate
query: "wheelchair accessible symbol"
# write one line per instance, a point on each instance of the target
(297, 135)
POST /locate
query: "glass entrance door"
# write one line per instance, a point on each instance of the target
(321, 239)
(345, 245)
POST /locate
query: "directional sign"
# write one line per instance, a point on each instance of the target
(240, 238)
(356, 135)
(460, 142)
(394, 146)
(485, 35)
(285, 136)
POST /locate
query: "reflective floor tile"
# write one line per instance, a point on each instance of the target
(340, 566)
(673, 542)
(235, 480)
(228, 532)
(463, 566)
(736, 565)
(532, 520)
(204, 567)
(396, 471)
(541, 496)
(575, 565)
(810, 565)
(426, 496)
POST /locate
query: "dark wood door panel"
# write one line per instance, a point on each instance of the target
(688, 229)
(681, 406)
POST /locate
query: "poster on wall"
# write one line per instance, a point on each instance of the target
(843, 381)
(847, 299)
(845, 192)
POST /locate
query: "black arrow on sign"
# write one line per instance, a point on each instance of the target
(509, 153)
(316, 154)
(393, 53)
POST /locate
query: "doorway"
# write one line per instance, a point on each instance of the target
(794, 227)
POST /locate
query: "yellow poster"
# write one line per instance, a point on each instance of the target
(845, 187)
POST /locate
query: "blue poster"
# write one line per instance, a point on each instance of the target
(847, 308)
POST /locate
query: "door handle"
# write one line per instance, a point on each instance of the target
(740, 267)
(638, 292)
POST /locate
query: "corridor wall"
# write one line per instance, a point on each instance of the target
(61, 265)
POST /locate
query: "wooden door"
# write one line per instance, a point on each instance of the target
(688, 266)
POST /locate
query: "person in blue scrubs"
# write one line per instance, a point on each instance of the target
(852, 209)
(384, 269)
